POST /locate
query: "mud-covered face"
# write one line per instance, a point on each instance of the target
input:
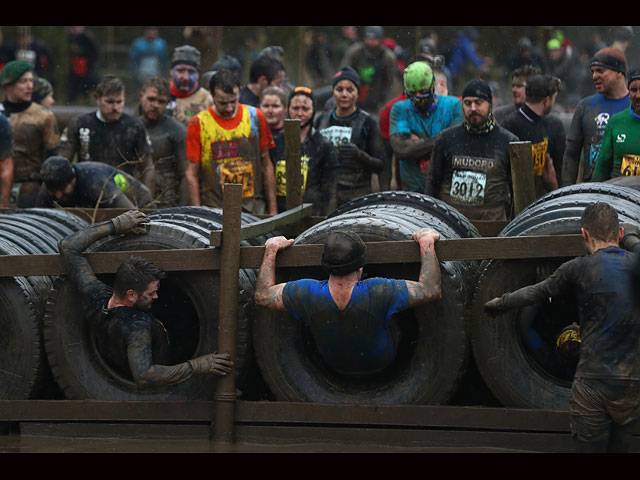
(184, 77)
(301, 108)
(111, 106)
(152, 103)
(226, 104)
(146, 298)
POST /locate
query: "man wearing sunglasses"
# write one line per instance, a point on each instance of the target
(416, 121)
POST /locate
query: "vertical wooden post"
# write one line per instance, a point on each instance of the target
(292, 158)
(524, 191)
(225, 395)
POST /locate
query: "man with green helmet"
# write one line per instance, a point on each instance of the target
(415, 122)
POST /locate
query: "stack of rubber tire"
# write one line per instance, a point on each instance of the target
(187, 306)
(24, 373)
(434, 350)
(517, 375)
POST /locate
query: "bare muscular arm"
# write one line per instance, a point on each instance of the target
(428, 288)
(268, 294)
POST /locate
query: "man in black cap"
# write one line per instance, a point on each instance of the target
(470, 167)
(188, 95)
(349, 317)
(89, 185)
(609, 71)
(533, 122)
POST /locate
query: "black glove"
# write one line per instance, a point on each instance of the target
(130, 222)
(351, 155)
(216, 363)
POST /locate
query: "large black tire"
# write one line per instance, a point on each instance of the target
(510, 370)
(24, 370)
(187, 305)
(21, 354)
(630, 182)
(433, 352)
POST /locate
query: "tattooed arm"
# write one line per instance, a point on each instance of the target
(268, 294)
(428, 288)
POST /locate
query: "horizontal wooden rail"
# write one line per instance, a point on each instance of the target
(406, 251)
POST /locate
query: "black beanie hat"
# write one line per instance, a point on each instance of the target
(347, 73)
(57, 172)
(478, 88)
(343, 253)
(610, 58)
(633, 75)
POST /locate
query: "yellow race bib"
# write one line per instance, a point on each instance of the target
(281, 180)
(539, 155)
(238, 171)
(630, 165)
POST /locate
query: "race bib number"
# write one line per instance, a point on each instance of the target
(240, 171)
(630, 165)
(337, 135)
(468, 187)
(281, 179)
(539, 155)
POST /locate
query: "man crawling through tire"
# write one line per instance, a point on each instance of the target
(128, 336)
(349, 317)
(605, 401)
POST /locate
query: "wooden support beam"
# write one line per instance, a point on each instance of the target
(524, 191)
(266, 225)
(544, 246)
(225, 396)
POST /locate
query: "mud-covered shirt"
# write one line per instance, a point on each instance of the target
(100, 186)
(362, 130)
(609, 323)
(35, 138)
(357, 340)
(405, 120)
(472, 172)
(229, 150)
(318, 162)
(167, 137)
(130, 340)
(585, 135)
(620, 148)
(547, 136)
(183, 109)
(123, 144)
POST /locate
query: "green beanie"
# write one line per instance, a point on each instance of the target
(417, 77)
(13, 70)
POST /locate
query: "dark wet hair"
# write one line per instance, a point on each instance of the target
(109, 85)
(161, 84)
(601, 220)
(135, 273)
(267, 66)
(224, 80)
